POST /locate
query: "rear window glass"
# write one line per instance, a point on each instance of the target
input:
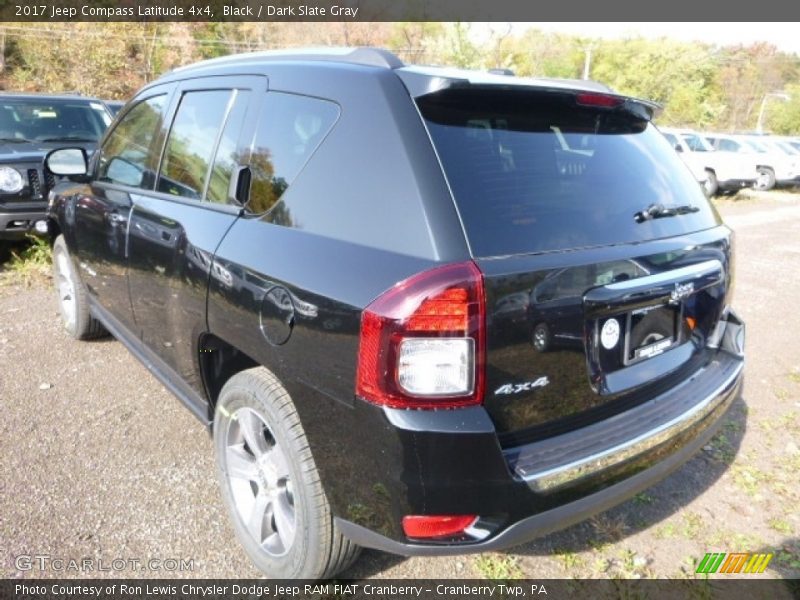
(535, 172)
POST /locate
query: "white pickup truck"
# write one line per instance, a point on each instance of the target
(725, 170)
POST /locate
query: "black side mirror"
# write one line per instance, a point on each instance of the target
(67, 162)
(678, 148)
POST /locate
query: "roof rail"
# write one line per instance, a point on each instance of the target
(363, 55)
(501, 71)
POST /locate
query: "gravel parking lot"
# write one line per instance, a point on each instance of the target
(100, 461)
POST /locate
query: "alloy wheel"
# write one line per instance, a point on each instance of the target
(260, 481)
(66, 290)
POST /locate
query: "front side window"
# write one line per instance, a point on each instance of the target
(191, 143)
(290, 129)
(128, 157)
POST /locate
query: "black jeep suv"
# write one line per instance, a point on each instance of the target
(31, 126)
(341, 264)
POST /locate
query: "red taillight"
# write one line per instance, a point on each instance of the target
(601, 100)
(436, 526)
(422, 341)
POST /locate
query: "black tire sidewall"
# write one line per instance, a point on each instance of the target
(713, 185)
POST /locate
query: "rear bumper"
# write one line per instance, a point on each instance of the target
(564, 480)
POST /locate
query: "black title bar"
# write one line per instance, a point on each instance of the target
(392, 10)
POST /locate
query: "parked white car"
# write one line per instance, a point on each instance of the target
(696, 164)
(724, 171)
(774, 166)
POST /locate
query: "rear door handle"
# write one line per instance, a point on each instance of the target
(239, 189)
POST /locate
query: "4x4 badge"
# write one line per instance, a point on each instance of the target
(681, 291)
(516, 388)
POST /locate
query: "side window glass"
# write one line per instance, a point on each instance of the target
(191, 142)
(227, 157)
(290, 129)
(128, 157)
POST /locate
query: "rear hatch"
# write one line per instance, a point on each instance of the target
(605, 267)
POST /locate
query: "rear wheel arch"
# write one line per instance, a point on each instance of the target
(218, 361)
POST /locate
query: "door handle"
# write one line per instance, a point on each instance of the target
(239, 189)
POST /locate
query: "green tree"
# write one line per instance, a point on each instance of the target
(784, 117)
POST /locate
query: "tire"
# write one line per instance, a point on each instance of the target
(270, 484)
(765, 180)
(710, 185)
(71, 293)
(541, 337)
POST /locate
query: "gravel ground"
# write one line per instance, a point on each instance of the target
(100, 461)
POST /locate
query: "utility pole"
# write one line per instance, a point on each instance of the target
(587, 60)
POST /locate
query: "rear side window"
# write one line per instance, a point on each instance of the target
(290, 129)
(535, 172)
(127, 157)
(191, 143)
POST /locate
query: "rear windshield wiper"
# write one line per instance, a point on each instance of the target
(658, 211)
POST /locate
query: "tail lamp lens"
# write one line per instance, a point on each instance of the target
(436, 526)
(422, 341)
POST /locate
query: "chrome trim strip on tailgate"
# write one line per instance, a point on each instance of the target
(689, 272)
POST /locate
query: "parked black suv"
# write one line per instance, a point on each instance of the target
(334, 260)
(31, 125)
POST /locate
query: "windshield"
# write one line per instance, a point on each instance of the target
(536, 172)
(52, 119)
